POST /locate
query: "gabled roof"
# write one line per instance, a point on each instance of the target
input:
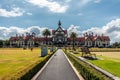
(69, 39)
(28, 37)
(42, 39)
(80, 39)
(39, 39)
(94, 38)
(13, 39)
(105, 38)
(49, 39)
(53, 31)
(21, 38)
(89, 38)
(59, 29)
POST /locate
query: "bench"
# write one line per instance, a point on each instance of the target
(86, 53)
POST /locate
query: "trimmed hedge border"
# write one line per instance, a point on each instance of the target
(30, 73)
(103, 51)
(86, 70)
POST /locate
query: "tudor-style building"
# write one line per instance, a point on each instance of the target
(60, 38)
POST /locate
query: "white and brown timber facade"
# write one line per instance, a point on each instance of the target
(60, 37)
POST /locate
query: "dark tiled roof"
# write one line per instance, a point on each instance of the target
(53, 31)
(81, 39)
(105, 38)
(13, 39)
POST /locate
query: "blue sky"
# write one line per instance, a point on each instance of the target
(78, 15)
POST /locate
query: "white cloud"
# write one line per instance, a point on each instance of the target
(29, 13)
(6, 33)
(68, 1)
(80, 14)
(75, 29)
(85, 2)
(96, 30)
(13, 13)
(51, 5)
(112, 29)
(97, 1)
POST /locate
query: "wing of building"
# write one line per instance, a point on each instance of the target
(60, 37)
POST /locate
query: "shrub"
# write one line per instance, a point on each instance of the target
(86, 70)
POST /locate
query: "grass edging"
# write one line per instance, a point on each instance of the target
(34, 68)
(86, 70)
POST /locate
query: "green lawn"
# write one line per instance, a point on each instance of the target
(111, 65)
(14, 61)
(96, 49)
(107, 63)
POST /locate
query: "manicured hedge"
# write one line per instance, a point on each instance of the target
(85, 70)
(102, 49)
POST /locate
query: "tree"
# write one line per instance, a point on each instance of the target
(116, 45)
(73, 35)
(46, 33)
(6, 43)
(1, 43)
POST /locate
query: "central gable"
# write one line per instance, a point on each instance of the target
(59, 30)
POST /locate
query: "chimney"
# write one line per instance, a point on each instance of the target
(16, 35)
(22, 35)
(102, 34)
(84, 34)
(96, 35)
(92, 33)
(26, 33)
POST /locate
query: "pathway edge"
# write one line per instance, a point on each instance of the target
(110, 75)
(74, 69)
(41, 70)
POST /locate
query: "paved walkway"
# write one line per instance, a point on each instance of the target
(58, 69)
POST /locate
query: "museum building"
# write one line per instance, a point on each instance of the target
(60, 37)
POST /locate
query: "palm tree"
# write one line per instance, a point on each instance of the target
(73, 35)
(46, 33)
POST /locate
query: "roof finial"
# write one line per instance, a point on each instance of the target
(59, 23)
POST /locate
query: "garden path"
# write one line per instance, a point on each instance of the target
(58, 69)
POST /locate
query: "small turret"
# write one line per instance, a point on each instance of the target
(59, 23)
